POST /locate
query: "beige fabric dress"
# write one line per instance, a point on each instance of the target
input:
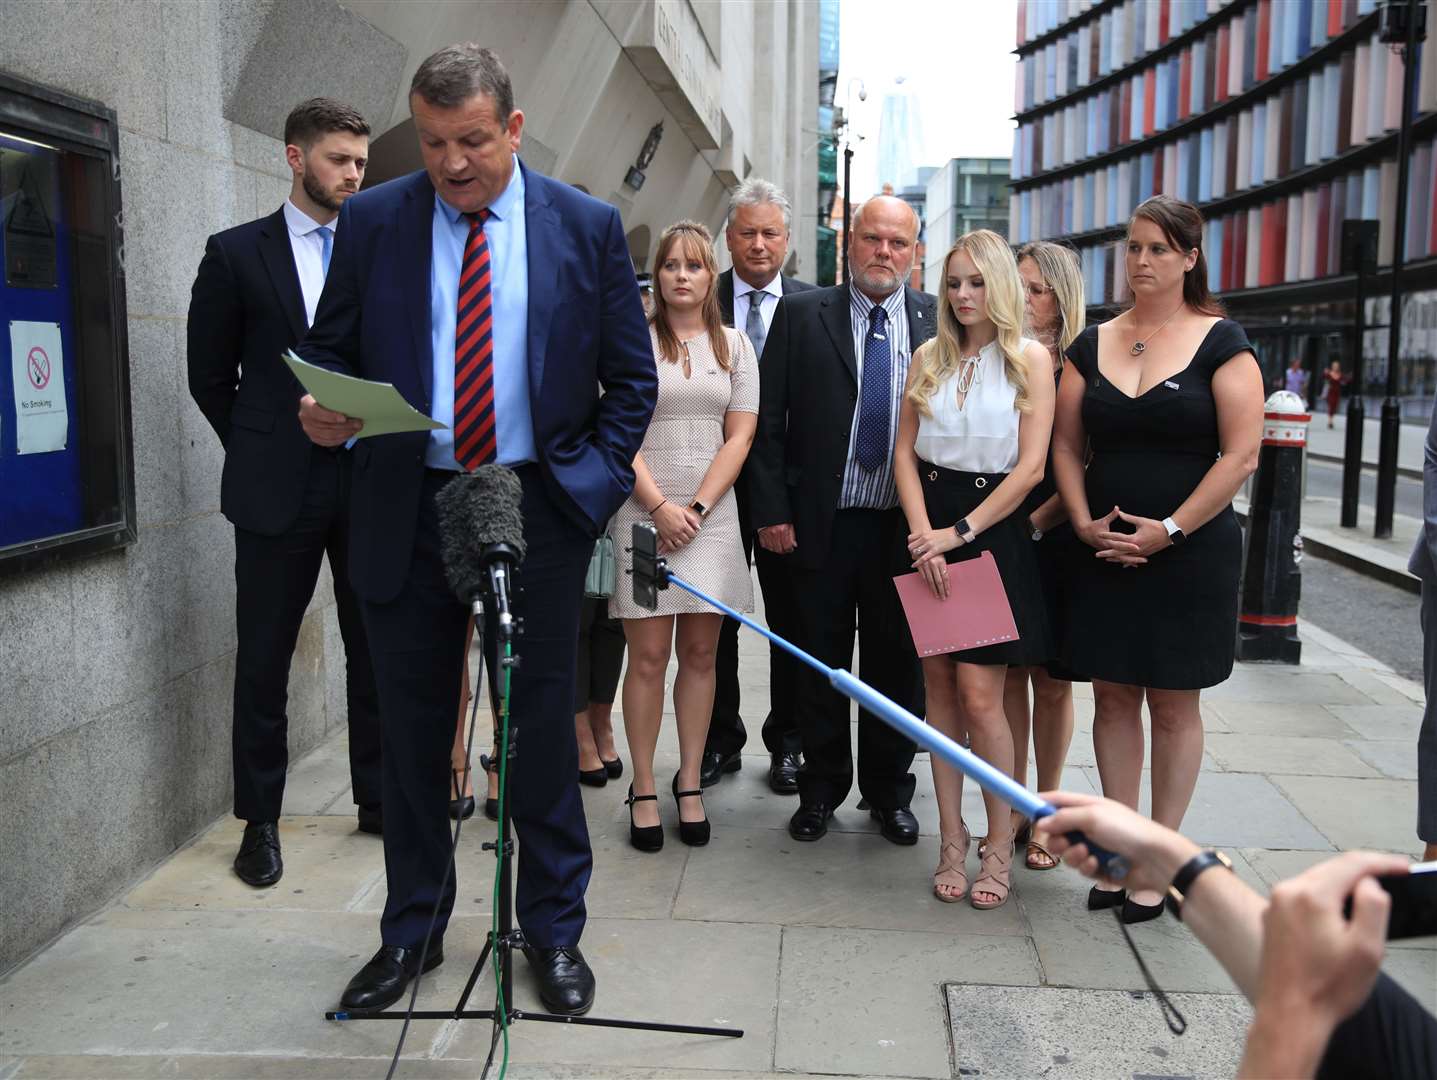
(683, 437)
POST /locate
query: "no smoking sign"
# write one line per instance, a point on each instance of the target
(37, 368)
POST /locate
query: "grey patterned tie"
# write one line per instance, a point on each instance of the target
(753, 325)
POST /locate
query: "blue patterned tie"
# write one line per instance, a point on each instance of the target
(875, 396)
(326, 240)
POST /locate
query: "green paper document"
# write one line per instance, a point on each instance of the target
(381, 407)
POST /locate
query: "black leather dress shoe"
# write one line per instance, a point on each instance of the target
(783, 773)
(810, 821)
(371, 819)
(383, 980)
(714, 765)
(566, 985)
(258, 862)
(898, 825)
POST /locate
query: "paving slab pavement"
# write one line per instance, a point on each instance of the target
(834, 956)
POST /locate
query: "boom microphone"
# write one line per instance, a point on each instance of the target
(482, 535)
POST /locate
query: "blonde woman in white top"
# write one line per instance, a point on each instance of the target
(972, 440)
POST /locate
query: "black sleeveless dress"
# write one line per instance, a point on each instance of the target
(1171, 624)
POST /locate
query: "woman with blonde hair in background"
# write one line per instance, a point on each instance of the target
(1055, 315)
(972, 439)
(696, 444)
(1159, 423)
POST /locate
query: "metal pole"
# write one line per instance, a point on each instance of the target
(847, 205)
(1391, 410)
(1356, 410)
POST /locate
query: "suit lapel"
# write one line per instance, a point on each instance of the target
(833, 313)
(545, 255)
(278, 259)
(922, 318)
(416, 233)
(725, 297)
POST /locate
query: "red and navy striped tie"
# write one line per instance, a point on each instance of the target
(476, 439)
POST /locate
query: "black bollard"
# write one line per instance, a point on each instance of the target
(1271, 579)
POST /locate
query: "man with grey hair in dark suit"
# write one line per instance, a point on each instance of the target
(757, 235)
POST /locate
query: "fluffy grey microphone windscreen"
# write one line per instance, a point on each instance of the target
(477, 510)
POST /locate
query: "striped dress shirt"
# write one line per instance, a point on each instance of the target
(876, 490)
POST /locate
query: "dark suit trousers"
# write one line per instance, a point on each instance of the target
(274, 581)
(853, 579)
(418, 644)
(727, 734)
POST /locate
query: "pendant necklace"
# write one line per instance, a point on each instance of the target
(1139, 347)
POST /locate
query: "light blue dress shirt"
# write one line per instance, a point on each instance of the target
(509, 268)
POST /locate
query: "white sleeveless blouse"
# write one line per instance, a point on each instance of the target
(982, 436)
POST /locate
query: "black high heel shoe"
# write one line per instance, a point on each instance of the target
(461, 807)
(614, 768)
(1136, 913)
(693, 833)
(491, 806)
(1101, 899)
(643, 837)
(594, 777)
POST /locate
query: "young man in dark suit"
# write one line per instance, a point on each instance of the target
(253, 298)
(821, 483)
(757, 236)
(497, 301)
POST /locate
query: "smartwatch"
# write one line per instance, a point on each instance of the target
(1175, 534)
(965, 531)
(1183, 880)
(699, 508)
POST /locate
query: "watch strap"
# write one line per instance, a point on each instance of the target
(1184, 878)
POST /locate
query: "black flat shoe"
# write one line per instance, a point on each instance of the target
(899, 826)
(1101, 899)
(566, 983)
(693, 833)
(714, 765)
(614, 768)
(1136, 913)
(371, 820)
(594, 777)
(259, 863)
(643, 837)
(810, 821)
(783, 773)
(383, 980)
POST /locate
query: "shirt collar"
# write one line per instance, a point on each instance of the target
(509, 202)
(743, 288)
(300, 223)
(893, 303)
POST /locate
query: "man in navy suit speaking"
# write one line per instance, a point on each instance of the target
(499, 302)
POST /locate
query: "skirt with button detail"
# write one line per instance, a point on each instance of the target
(950, 495)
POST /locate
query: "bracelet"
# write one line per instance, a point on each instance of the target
(655, 510)
(1184, 878)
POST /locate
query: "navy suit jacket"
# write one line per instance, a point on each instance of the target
(586, 330)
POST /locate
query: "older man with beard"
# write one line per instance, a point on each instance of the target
(821, 483)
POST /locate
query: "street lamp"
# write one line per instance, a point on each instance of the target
(845, 121)
(1403, 25)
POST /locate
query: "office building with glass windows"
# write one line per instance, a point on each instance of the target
(1278, 118)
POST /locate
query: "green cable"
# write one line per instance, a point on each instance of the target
(500, 1008)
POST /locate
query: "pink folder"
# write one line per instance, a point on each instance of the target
(976, 612)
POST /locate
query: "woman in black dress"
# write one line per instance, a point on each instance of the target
(1168, 399)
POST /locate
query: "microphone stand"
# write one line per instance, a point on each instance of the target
(503, 939)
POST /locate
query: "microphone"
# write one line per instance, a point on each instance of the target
(482, 537)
